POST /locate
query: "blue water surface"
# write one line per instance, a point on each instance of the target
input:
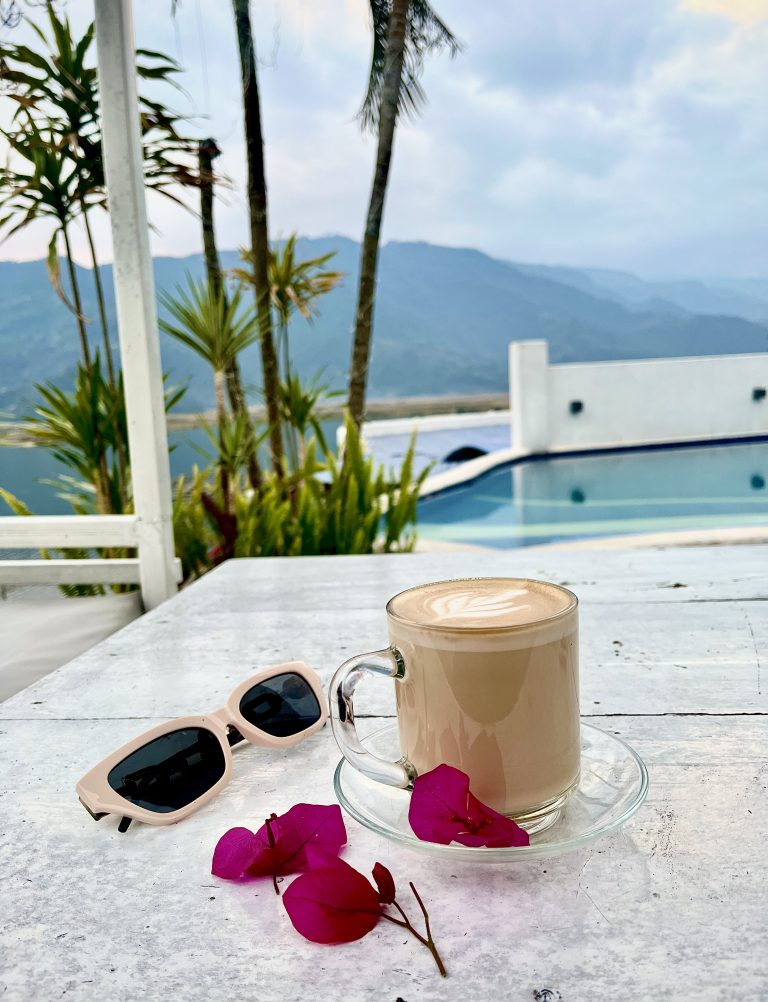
(542, 501)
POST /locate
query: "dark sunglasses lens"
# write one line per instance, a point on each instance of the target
(170, 772)
(282, 705)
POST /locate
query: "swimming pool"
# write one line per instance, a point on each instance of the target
(608, 494)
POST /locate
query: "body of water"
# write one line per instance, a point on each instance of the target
(544, 501)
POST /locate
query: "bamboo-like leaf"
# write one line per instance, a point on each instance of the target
(54, 272)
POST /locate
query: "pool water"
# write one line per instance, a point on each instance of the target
(541, 501)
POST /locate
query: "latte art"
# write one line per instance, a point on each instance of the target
(480, 603)
(468, 604)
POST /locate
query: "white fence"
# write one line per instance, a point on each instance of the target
(558, 408)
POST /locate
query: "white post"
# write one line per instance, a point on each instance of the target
(135, 295)
(528, 391)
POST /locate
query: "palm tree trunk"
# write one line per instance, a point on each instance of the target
(257, 206)
(291, 434)
(99, 297)
(221, 417)
(76, 300)
(206, 152)
(369, 255)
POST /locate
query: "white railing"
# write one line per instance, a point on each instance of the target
(76, 532)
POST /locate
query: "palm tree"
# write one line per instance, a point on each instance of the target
(257, 210)
(294, 287)
(217, 327)
(56, 129)
(208, 151)
(404, 31)
(46, 188)
(56, 88)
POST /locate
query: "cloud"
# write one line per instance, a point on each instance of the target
(748, 12)
(586, 132)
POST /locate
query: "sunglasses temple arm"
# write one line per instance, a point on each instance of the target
(124, 822)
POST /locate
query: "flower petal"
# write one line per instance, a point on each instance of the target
(385, 883)
(333, 904)
(443, 810)
(304, 825)
(234, 853)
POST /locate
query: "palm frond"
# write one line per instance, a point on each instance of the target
(425, 32)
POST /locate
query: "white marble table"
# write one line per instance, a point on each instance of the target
(675, 659)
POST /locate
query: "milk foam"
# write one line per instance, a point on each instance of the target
(480, 603)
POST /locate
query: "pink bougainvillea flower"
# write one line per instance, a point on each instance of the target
(234, 853)
(332, 904)
(281, 845)
(443, 810)
(385, 883)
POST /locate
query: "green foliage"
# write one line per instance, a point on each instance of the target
(215, 324)
(298, 406)
(16, 505)
(325, 503)
(84, 430)
(58, 87)
(193, 533)
(333, 504)
(294, 287)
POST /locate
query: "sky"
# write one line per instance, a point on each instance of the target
(591, 133)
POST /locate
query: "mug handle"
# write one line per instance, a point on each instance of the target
(388, 663)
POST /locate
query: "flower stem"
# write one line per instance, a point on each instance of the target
(271, 841)
(430, 942)
(424, 940)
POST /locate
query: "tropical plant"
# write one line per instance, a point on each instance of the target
(55, 170)
(328, 506)
(192, 530)
(404, 32)
(294, 287)
(356, 507)
(56, 120)
(46, 189)
(298, 404)
(83, 430)
(257, 214)
(216, 326)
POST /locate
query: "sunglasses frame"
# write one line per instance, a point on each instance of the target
(99, 799)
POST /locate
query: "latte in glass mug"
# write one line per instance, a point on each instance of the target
(486, 680)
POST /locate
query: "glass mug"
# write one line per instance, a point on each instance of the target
(486, 677)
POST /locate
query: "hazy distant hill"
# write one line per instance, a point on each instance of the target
(444, 318)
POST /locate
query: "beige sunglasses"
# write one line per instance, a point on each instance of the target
(169, 771)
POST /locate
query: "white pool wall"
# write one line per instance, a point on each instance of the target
(564, 407)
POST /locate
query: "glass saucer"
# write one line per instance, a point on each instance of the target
(613, 784)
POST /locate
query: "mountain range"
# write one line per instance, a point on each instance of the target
(444, 317)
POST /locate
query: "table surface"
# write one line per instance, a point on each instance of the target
(674, 659)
